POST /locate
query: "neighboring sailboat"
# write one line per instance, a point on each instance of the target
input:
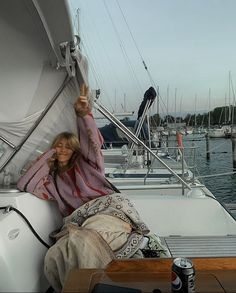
(225, 129)
(216, 132)
(213, 132)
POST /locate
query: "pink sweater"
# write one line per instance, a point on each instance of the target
(81, 183)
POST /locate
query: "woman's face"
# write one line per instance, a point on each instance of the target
(64, 152)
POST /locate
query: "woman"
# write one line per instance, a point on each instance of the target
(99, 224)
(72, 171)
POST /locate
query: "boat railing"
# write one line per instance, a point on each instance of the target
(184, 158)
(5, 144)
(175, 157)
(5, 147)
(137, 141)
(6, 141)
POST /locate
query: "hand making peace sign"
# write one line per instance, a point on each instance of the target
(81, 104)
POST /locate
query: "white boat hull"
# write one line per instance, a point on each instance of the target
(21, 253)
(216, 133)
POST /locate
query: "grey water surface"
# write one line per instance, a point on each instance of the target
(221, 161)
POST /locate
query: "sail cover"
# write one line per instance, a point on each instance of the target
(34, 75)
(149, 96)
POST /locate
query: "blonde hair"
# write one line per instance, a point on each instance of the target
(71, 139)
(74, 145)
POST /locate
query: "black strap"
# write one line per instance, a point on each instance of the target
(113, 186)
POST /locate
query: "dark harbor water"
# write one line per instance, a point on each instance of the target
(221, 161)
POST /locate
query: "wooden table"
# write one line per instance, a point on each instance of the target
(151, 274)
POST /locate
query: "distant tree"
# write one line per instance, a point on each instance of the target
(168, 119)
(217, 116)
(187, 118)
(155, 120)
(204, 121)
(199, 119)
(179, 119)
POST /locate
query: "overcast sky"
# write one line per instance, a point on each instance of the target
(188, 46)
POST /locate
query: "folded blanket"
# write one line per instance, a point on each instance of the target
(103, 229)
(79, 247)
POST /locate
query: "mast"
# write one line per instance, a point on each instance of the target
(209, 113)
(180, 108)
(233, 103)
(175, 106)
(158, 101)
(124, 102)
(167, 110)
(229, 99)
(115, 101)
(225, 108)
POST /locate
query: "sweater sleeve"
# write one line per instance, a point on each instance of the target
(36, 177)
(91, 141)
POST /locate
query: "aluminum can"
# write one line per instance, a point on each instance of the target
(182, 276)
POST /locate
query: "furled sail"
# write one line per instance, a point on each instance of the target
(149, 96)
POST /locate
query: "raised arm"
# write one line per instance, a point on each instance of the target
(90, 137)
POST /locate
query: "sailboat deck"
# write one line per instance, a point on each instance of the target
(171, 215)
(201, 246)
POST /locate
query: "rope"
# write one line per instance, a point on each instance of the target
(216, 147)
(7, 210)
(123, 48)
(70, 66)
(215, 175)
(135, 44)
(10, 208)
(211, 150)
(141, 57)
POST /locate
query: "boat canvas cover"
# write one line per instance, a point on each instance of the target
(112, 135)
(33, 75)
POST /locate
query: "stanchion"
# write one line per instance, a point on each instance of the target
(207, 147)
(233, 139)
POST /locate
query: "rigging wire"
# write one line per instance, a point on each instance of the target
(124, 55)
(135, 44)
(123, 48)
(83, 45)
(217, 175)
(75, 17)
(113, 74)
(98, 78)
(127, 58)
(159, 98)
(232, 88)
(95, 74)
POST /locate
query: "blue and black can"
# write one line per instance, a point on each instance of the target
(183, 276)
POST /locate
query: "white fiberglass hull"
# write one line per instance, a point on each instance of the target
(216, 133)
(21, 253)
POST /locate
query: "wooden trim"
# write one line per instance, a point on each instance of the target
(164, 264)
(83, 280)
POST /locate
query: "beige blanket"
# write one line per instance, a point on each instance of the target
(103, 229)
(81, 248)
